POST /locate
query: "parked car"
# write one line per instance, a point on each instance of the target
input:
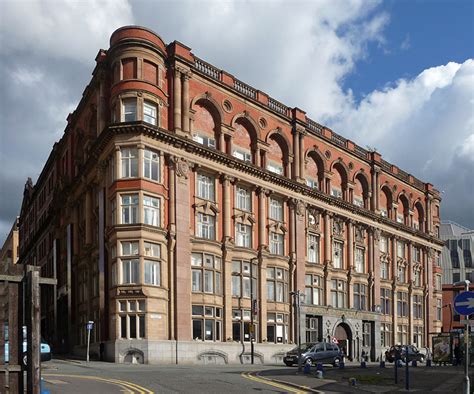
(399, 351)
(45, 349)
(291, 357)
(321, 352)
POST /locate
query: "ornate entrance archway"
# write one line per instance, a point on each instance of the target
(343, 334)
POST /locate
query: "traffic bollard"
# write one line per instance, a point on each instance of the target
(319, 367)
(307, 368)
(352, 382)
(342, 363)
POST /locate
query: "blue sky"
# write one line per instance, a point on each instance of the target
(420, 34)
(397, 75)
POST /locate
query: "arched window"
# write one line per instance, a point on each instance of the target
(314, 171)
(205, 125)
(361, 191)
(385, 202)
(338, 181)
(242, 144)
(418, 216)
(403, 209)
(277, 155)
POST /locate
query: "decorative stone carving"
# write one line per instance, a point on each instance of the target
(182, 168)
(359, 234)
(327, 154)
(314, 218)
(337, 227)
(377, 234)
(300, 208)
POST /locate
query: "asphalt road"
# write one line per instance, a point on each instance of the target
(97, 377)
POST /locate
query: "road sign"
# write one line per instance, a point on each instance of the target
(335, 340)
(464, 303)
(89, 325)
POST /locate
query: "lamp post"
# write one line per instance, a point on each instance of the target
(467, 382)
(296, 307)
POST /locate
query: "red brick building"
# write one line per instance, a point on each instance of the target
(178, 194)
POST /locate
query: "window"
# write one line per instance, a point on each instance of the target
(113, 211)
(386, 334)
(129, 208)
(312, 329)
(313, 184)
(337, 256)
(383, 244)
(275, 168)
(204, 140)
(314, 290)
(402, 331)
(207, 323)
(338, 293)
(129, 110)
(401, 273)
(358, 202)
(438, 282)
(402, 304)
(383, 212)
(385, 301)
(114, 274)
(152, 273)
(384, 269)
(416, 254)
(242, 155)
(242, 272)
(466, 252)
(152, 250)
(151, 210)
(418, 336)
(418, 306)
(277, 328)
(243, 199)
(205, 187)
(129, 159)
(132, 319)
(276, 210)
(151, 165)
(360, 297)
(241, 325)
(276, 243)
(399, 219)
(417, 277)
(438, 309)
(277, 284)
(336, 192)
(359, 260)
(205, 226)
(366, 334)
(400, 249)
(313, 248)
(129, 248)
(456, 277)
(130, 271)
(243, 235)
(149, 112)
(206, 273)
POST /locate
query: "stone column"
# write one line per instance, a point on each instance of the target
(428, 215)
(141, 156)
(327, 254)
(227, 207)
(171, 248)
(374, 264)
(222, 146)
(409, 275)
(185, 103)
(177, 99)
(430, 300)
(301, 163)
(88, 208)
(262, 316)
(394, 289)
(300, 245)
(296, 154)
(183, 252)
(262, 214)
(350, 261)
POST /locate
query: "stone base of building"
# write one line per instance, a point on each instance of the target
(144, 351)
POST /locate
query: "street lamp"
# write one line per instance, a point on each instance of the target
(296, 307)
(467, 384)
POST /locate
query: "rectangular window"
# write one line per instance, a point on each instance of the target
(402, 331)
(359, 260)
(314, 290)
(129, 248)
(337, 256)
(313, 248)
(277, 284)
(243, 199)
(386, 301)
(358, 202)
(129, 208)
(204, 140)
(401, 273)
(205, 187)
(402, 304)
(338, 293)
(129, 162)
(438, 310)
(360, 296)
(400, 249)
(242, 155)
(276, 243)
(312, 183)
(438, 282)
(206, 273)
(205, 226)
(383, 244)
(151, 165)
(196, 281)
(275, 168)
(129, 110)
(130, 271)
(243, 235)
(152, 273)
(149, 112)
(384, 269)
(417, 306)
(151, 211)
(386, 334)
(276, 210)
(366, 334)
(152, 249)
(336, 193)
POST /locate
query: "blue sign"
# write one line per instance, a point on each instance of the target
(90, 325)
(464, 303)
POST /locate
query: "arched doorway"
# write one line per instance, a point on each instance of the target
(343, 334)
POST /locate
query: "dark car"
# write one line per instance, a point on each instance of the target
(321, 352)
(291, 357)
(399, 352)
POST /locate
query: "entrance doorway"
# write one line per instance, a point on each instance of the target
(344, 336)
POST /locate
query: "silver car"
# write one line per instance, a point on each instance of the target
(324, 353)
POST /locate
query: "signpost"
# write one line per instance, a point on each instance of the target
(89, 327)
(464, 305)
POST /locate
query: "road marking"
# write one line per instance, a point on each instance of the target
(281, 385)
(52, 381)
(129, 386)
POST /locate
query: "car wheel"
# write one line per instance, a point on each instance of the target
(309, 360)
(288, 364)
(422, 359)
(336, 362)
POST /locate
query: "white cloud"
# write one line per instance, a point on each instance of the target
(61, 29)
(467, 148)
(26, 77)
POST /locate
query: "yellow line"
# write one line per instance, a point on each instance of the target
(122, 383)
(290, 389)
